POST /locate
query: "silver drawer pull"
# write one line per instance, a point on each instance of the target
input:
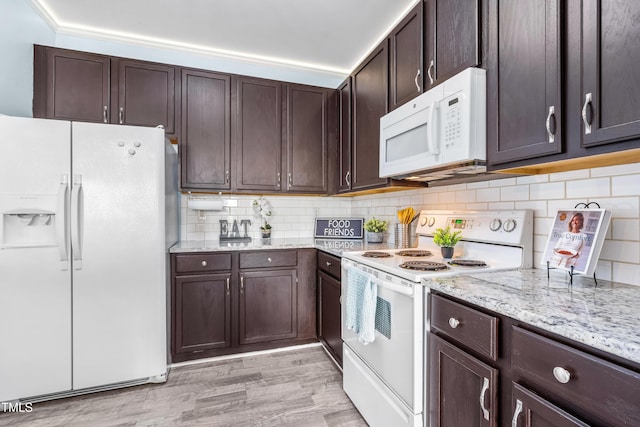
(328, 264)
(453, 322)
(269, 259)
(516, 413)
(204, 263)
(485, 387)
(587, 113)
(562, 375)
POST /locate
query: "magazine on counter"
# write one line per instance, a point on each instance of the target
(576, 238)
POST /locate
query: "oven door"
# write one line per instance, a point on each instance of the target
(395, 355)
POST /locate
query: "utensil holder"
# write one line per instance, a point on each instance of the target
(402, 235)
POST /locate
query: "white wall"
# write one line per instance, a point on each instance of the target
(20, 28)
(615, 188)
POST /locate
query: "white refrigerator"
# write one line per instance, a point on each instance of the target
(88, 212)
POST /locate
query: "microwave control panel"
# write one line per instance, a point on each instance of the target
(452, 121)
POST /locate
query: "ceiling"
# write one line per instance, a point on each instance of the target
(323, 35)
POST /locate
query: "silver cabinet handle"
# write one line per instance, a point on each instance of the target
(551, 132)
(121, 115)
(516, 413)
(241, 284)
(485, 387)
(204, 263)
(562, 375)
(347, 178)
(279, 179)
(269, 259)
(105, 114)
(416, 80)
(431, 66)
(587, 114)
(290, 180)
(453, 322)
(328, 264)
(228, 292)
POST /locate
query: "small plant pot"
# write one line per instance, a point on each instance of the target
(447, 251)
(266, 234)
(373, 237)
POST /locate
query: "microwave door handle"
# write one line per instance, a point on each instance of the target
(432, 134)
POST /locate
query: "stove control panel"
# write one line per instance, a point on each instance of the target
(504, 227)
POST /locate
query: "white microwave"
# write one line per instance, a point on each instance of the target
(444, 129)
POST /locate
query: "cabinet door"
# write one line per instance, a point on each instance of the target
(202, 312)
(344, 136)
(524, 80)
(205, 146)
(257, 136)
(70, 85)
(405, 59)
(530, 410)
(463, 390)
(329, 312)
(611, 83)
(306, 142)
(268, 306)
(452, 33)
(369, 104)
(146, 95)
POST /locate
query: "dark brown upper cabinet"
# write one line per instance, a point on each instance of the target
(205, 145)
(344, 137)
(81, 86)
(406, 58)
(452, 33)
(146, 94)
(561, 85)
(257, 134)
(610, 93)
(306, 139)
(524, 82)
(369, 103)
(70, 85)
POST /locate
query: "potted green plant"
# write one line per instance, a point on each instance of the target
(375, 229)
(446, 239)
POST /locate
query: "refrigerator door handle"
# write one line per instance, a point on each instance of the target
(61, 222)
(76, 221)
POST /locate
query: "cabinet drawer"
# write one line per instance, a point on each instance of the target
(608, 392)
(261, 259)
(471, 328)
(329, 264)
(202, 262)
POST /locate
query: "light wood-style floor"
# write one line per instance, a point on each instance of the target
(300, 387)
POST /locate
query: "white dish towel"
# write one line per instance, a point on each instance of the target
(362, 296)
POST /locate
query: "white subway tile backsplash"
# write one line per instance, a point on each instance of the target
(546, 191)
(516, 192)
(613, 187)
(570, 175)
(589, 188)
(625, 185)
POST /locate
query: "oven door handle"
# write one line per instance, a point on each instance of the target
(406, 290)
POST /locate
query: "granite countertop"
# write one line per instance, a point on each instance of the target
(333, 246)
(605, 316)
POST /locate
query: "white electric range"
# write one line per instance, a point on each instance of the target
(385, 378)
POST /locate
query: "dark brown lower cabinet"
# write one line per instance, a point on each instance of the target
(234, 302)
(329, 310)
(464, 390)
(531, 410)
(203, 312)
(268, 306)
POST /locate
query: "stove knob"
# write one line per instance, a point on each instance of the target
(423, 221)
(509, 225)
(432, 221)
(495, 224)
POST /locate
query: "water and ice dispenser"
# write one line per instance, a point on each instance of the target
(28, 221)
